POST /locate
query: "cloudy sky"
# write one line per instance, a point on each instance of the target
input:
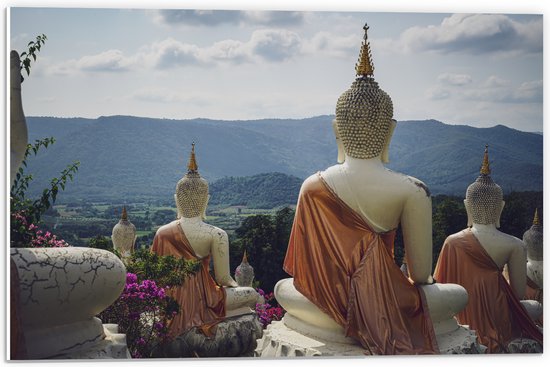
(475, 69)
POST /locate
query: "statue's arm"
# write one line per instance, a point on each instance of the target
(416, 223)
(220, 256)
(517, 270)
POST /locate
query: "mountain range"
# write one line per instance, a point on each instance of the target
(128, 158)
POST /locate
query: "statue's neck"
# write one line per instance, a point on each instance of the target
(484, 228)
(197, 219)
(357, 164)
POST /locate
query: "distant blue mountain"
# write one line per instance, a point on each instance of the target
(125, 157)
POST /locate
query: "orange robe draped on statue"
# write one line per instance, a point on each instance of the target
(493, 310)
(202, 301)
(347, 270)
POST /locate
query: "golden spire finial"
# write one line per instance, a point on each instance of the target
(536, 221)
(124, 215)
(245, 258)
(485, 170)
(192, 165)
(364, 66)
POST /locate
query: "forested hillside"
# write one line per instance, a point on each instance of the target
(127, 158)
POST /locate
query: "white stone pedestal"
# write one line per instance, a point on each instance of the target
(294, 338)
(60, 290)
(279, 340)
(111, 346)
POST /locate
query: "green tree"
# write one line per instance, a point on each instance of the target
(519, 208)
(166, 271)
(265, 239)
(33, 48)
(101, 242)
(25, 211)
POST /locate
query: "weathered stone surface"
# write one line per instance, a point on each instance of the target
(60, 291)
(461, 340)
(235, 337)
(281, 341)
(112, 346)
(293, 338)
(522, 345)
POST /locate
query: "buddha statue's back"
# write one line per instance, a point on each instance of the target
(476, 257)
(204, 301)
(341, 247)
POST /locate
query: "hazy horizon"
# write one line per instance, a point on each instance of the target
(272, 118)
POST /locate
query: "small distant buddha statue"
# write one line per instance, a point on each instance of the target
(340, 252)
(244, 274)
(475, 258)
(533, 239)
(124, 235)
(204, 301)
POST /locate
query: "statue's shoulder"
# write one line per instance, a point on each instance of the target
(214, 231)
(416, 186)
(456, 237)
(514, 242)
(167, 228)
(310, 182)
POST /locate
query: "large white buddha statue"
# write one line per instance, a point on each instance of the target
(475, 258)
(346, 285)
(204, 301)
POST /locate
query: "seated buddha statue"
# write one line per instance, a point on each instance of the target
(346, 285)
(476, 257)
(533, 239)
(204, 300)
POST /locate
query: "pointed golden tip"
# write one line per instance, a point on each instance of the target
(245, 258)
(192, 165)
(536, 221)
(364, 66)
(485, 170)
(124, 215)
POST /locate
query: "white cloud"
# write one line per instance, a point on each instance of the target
(494, 81)
(183, 17)
(165, 95)
(454, 79)
(107, 61)
(527, 92)
(48, 99)
(275, 45)
(272, 45)
(111, 60)
(474, 34)
(268, 44)
(331, 45)
(170, 52)
(437, 93)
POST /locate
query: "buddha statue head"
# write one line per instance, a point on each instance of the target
(192, 191)
(364, 113)
(533, 239)
(483, 201)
